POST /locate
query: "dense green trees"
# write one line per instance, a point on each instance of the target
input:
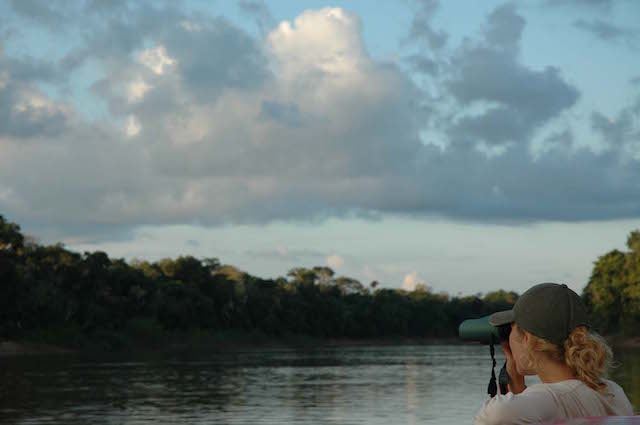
(613, 291)
(45, 288)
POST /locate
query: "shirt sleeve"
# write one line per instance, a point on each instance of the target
(622, 403)
(524, 408)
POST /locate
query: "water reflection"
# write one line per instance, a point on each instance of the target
(428, 384)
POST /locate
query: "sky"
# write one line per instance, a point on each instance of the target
(468, 146)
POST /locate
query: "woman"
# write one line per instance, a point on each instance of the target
(550, 338)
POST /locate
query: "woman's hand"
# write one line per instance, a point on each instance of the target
(516, 381)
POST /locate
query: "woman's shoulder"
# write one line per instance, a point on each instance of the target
(565, 386)
(573, 385)
(613, 400)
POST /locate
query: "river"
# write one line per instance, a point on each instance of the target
(345, 385)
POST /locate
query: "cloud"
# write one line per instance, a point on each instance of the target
(292, 255)
(133, 126)
(193, 243)
(137, 90)
(28, 69)
(504, 27)
(258, 10)
(421, 30)
(229, 148)
(562, 140)
(27, 112)
(327, 41)
(209, 124)
(598, 4)
(411, 281)
(47, 14)
(620, 133)
(609, 32)
(423, 65)
(288, 114)
(335, 261)
(239, 61)
(156, 59)
(515, 104)
(428, 43)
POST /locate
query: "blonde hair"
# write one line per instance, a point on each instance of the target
(587, 355)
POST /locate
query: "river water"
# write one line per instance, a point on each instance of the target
(353, 385)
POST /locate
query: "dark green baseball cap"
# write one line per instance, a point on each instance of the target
(548, 310)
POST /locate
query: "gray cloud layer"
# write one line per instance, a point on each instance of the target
(210, 125)
(609, 32)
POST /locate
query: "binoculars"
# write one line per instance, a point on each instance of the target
(480, 330)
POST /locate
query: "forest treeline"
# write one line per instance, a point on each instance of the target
(60, 296)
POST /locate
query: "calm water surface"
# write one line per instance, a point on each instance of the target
(358, 385)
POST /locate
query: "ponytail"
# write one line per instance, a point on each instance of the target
(588, 356)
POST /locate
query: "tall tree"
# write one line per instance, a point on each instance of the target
(11, 240)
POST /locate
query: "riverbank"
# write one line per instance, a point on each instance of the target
(216, 342)
(15, 348)
(229, 341)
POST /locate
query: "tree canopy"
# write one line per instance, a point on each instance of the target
(50, 287)
(613, 290)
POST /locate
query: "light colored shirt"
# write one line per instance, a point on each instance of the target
(549, 402)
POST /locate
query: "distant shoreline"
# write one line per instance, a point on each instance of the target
(22, 348)
(17, 348)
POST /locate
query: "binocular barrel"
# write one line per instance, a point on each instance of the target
(478, 330)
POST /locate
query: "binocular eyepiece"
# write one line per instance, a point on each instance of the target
(480, 330)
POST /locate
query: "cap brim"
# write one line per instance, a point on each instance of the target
(502, 318)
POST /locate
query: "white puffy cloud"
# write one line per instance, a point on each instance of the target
(137, 90)
(133, 126)
(335, 261)
(412, 280)
(156, 59)
(326, 40)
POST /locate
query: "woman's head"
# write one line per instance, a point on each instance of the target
(550, 328)
(585, 354)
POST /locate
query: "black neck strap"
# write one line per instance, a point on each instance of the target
(492, 389)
